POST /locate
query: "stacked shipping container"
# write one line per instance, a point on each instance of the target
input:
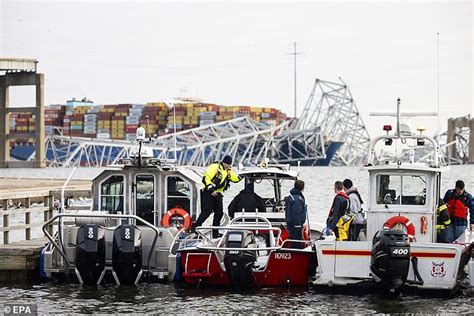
(122, 120)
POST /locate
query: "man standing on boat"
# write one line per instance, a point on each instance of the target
(216, 180)
(339, 207)
(459, 204)
(355, 208)
(296, 213)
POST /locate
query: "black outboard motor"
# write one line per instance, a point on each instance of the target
(390, 259)
(90, 253)
(238, 264)
(127, 253)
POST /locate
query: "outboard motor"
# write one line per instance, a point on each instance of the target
(90, 254)
(390, 260)
(238, 263)
(127, 254)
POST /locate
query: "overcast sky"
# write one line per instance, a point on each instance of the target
(235, 53)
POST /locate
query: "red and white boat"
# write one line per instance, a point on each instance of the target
(401, 247)
(254, 250)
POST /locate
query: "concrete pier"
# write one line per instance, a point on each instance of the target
(21, 72)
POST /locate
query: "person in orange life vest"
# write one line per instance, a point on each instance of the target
(459, 204)
(340, 205)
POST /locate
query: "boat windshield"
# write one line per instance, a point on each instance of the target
(273, 191)
(401, 189)
(111, 195)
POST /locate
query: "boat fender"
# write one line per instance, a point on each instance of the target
(176, 211)
(42, 273)
(283, 235)
(306, 232)
(391, 222)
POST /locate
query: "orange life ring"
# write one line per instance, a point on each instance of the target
(391, 222)
(176, 211)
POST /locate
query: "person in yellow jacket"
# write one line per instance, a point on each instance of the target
(216, 180)
(442, 221)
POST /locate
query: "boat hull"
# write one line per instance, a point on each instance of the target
(280, 268)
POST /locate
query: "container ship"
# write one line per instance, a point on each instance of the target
(83, 118)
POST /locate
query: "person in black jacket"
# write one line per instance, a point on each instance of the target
(247, 200)
(295, 213)
(339, 207)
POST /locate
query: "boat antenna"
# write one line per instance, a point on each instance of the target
(174, 125)
(437, 42)
(294, 53)
(398, 117)
(148, 127)
(141, 136)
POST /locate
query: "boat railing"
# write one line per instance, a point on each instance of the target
(218, 245)
(252, 217)
(59, 217)
(372, 155)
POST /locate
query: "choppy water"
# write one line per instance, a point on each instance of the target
(168, 298)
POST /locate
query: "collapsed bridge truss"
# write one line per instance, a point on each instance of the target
(330, 116)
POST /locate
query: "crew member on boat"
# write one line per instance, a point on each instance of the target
(247, 200)
(216, 180)
(459, 204)
(442, 221)
(296, 212)
(355, 208)
(339, 208)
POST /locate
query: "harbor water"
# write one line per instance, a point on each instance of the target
(51, 297)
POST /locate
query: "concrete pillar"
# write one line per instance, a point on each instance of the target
(40, 154)
(452, 151)
(22, 79)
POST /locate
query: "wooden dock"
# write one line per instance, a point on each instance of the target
(19, 261)
(22, 201)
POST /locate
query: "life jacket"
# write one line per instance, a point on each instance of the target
(457, 205)
(346, 197)
(343, 226)
(358, 195)
(219, 179)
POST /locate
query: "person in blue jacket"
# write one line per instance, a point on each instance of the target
(295, 213)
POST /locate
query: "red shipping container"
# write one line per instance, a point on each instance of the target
(104, 115)
(150, 121)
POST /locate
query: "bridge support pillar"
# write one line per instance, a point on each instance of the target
(22, 79)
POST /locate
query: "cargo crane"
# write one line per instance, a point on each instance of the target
(329, 131)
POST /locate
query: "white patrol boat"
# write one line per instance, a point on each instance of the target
(401, 247)
(138, 207)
